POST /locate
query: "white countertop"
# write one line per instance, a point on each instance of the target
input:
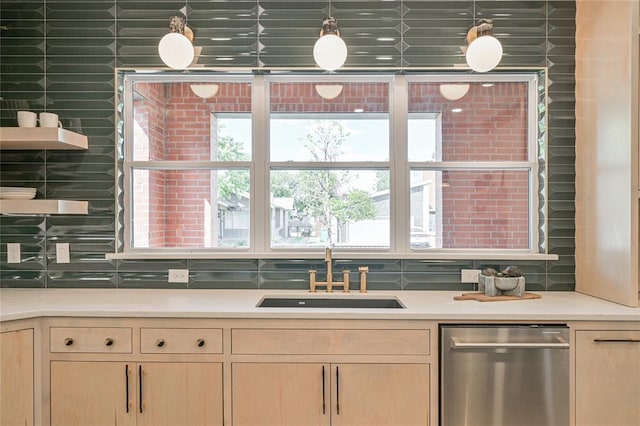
(430, 305)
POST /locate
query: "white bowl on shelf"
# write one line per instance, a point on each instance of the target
(17, 193)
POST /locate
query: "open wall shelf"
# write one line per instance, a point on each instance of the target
(41, 138)
(43, 207)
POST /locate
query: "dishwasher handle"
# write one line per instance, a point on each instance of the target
(561, 344)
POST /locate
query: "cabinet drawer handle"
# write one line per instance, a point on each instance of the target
(337, 391)
(68, 341)
(200, 342)
(160, 343)
(140, 384)
(126, 386)
(323, 393)
(108, 341)
(630, 340)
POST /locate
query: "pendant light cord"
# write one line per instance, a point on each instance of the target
(473, 16)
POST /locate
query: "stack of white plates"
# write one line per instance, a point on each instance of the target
(14, 193)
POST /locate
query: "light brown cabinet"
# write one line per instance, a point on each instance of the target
(331, 373)
(607, 374)
(16, 378)
(280, 394)
(106, 372)
(92, 393)
(174, 393)
(607, 149)
(380, 394)
(330, 394)
(97, 393)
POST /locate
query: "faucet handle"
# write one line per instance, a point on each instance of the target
(345, 280)
(363, 278)
(312, 280)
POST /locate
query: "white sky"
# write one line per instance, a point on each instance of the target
(367, 141)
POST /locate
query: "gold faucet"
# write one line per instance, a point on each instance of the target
(329, 283)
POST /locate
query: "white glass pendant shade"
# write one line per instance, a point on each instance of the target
(484, 53)
(176, 51)
(453, 92)
(329, 91)
(205, 91)
(330, 52)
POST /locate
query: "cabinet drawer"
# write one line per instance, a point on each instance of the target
(330, 342)
(90, 339)
(181, 340)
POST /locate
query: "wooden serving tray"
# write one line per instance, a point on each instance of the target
(480, 297)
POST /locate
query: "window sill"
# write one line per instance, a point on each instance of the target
(435, 257)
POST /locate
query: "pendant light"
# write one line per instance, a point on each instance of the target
(484, 51)
(205, 91)
(329, 91)
(454, 91)
(330, 51)
(176, 48)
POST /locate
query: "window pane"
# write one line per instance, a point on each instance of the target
(173, 123)
(488, 123)
(424, 140)
(316, 208)
(484, 209)
(353, 126)
(190, 208)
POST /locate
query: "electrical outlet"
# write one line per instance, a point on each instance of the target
(62, 253)
(469, 275)
(13, 252)
(178, 275)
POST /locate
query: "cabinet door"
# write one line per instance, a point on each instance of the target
(607, 378)
(174, 393)
(16, 378)
(380, 394)
(280, 394)
(92, 393)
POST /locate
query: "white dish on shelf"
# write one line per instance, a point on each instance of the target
(17, 193)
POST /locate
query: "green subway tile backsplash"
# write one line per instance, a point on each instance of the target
(61, 56)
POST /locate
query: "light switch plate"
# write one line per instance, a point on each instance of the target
(13, 252)
(469, 275)
(178, 275)
(62, 253)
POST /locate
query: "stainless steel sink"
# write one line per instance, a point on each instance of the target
(330, 302)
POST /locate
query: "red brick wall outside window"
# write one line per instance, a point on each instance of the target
(482, 209)
(180, 126)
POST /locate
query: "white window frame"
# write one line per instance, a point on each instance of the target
(530, 165)
(312, 165)
(398, 166)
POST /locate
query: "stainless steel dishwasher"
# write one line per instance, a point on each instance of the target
(504, 375)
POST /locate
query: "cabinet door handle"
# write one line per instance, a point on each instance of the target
(629, 340)
(68, 341)
(200, 342)
(140, 384)
(126, 387)
(108, 341)
(337, 391)
(323, 392)
(160, 343)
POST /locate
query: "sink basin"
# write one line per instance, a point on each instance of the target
(330, 302)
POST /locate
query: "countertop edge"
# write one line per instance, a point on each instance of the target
(24, 304)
